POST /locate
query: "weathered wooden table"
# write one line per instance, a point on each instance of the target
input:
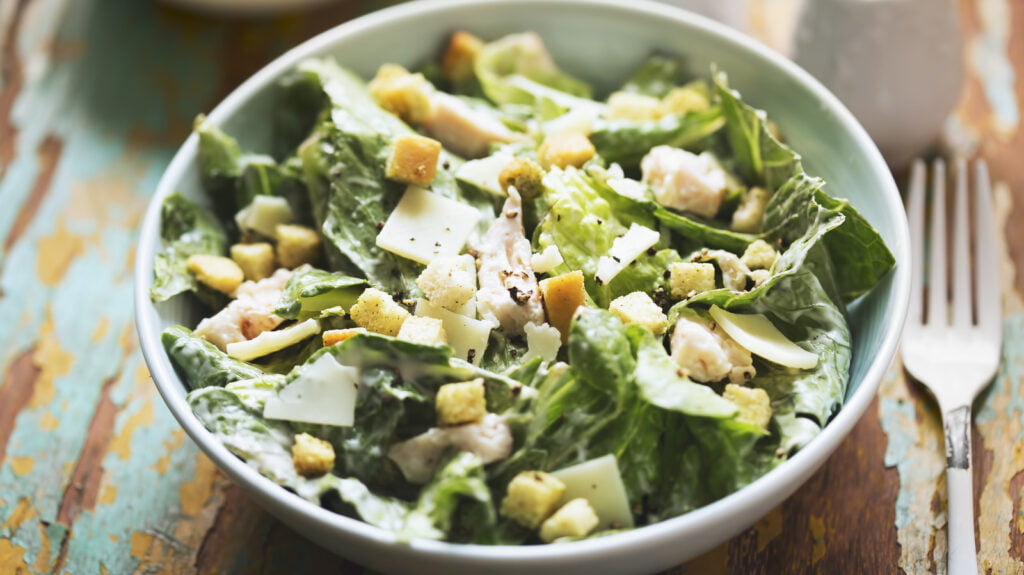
(96, 476)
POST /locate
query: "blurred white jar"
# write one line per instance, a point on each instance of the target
(897, 64)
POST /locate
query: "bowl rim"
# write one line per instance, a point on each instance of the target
(778, 481)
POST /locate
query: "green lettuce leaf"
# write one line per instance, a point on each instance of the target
(583, 225)
(266, 446)
(517, 69)
(343, 165)
(626, 142)
(759, 156)
(310, 291)
(185, 230)
(200, 363)
(655, 77)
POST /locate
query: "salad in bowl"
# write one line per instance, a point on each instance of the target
(479, 303)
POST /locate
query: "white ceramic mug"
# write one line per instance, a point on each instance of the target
(897, 64)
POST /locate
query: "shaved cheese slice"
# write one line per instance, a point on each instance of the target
(263, 214)
(542, 341)
(425, 225)
(324, 393)
(757, 333)
(467, 336)
(271, 341)
(624, 250)
(547, 260)
(483, 173)
(600, 483)
(576, 121)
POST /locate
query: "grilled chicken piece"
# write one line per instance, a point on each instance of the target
(249, 314)
(508, 290)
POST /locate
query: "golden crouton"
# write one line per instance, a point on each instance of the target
(565, 149)
(759, 255)
(685, 99)
(633, 107)
(687, 279)
(219, 273)
(336, 336)
(574, 519)
(562, 296)
(311, 456)
(413, 159)
(531, 498)
(639, 308)
(403, 94)
(459, 403)
(754, 403)
(425, 330)
(377, 312)
(256, 260)
(749, 214)
(524, 175)
(296, 245)
(457, 62)
(449, 281)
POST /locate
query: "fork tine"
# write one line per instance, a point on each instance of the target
(915, 213)
(937, 289)
(962, 295)
(986, 270)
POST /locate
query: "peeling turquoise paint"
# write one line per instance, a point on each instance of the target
(991, 61)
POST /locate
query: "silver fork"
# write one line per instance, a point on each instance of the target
(954, 349)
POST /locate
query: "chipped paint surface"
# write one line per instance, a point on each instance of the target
(989, 55)
(768, 528)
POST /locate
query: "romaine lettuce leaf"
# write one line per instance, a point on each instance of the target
(517, 69)
(185, 230)
(626, 142)
(200, 363)
(583, 225)
(343, 164)
(310, 291)
(655, 77)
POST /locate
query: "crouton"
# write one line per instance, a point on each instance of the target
(256, 260)
(336, 336)
(311, 456)
(639, 308)
(463, 402)
(565, 149)
(685, 99)
(425, 330)
(574, 519)
(219, 273)
(749, 214)
(412, 159)
(532, 496)
(377, 312)
(449, 282)
(562, 296)
(403, 94)
(633, 107)
(457, 61)
(687, 279)
(524, 175)
(296, 245)
(759, 255)
(754, 403)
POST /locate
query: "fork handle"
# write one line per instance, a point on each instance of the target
(963, 557)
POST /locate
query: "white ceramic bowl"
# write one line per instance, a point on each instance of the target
(602, 41)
